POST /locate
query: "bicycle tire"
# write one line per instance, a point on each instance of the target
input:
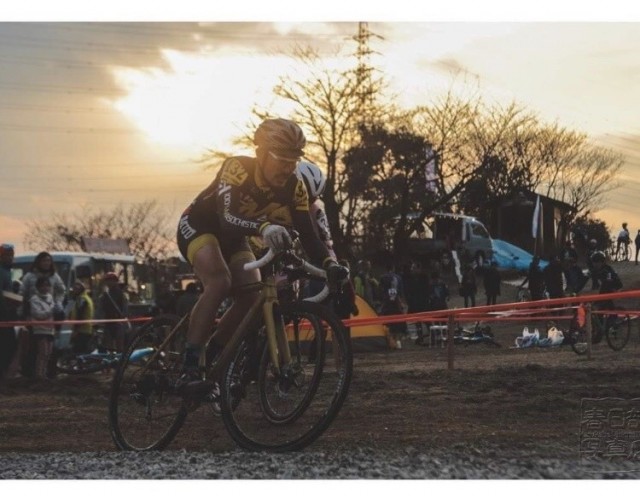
(307, 346)
(157, 411)
(578, 335)
(246, 421)
(618, 333)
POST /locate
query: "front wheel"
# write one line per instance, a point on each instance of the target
(145, 412)
(289, 406)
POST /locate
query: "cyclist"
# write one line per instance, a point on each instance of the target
(249, 196)
(623, 238)
(607, 277)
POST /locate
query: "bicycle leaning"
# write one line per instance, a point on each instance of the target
(282, 377)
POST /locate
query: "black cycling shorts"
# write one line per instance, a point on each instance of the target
(195, 233)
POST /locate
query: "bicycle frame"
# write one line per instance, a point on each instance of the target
(276, 335)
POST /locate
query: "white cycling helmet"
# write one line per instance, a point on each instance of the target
(313, 178)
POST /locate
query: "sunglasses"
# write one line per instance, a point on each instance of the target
(281, 158)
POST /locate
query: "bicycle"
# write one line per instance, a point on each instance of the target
(283, 375)
(95, 361)
(615, 328)
(622, 253)
(479, 334)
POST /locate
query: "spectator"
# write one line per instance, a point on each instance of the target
(623, 238)
(492, 281)
(569, 254)
(393, 301)
(365, 285)
(114, 305)
(416, 288)
(575, 279)
(591, 250)
(188, 299)
(82, 310)
(536, 279)
(468, 286)
(42, 267)
(41, 309)
(553, 278)
(637, 242)
(8, 311)
(438, 292)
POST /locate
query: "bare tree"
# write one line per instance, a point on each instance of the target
(148, 230)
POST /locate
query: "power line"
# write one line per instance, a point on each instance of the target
(58, 89)
(69, 130)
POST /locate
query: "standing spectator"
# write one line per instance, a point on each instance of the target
(569, 254)
(623, 238)
(438, 292)
(82, 310)
(416, 288)
(114, 305)
(8, 311)
(492, 281)
(41, 309)
(393, 301)
(42, 267)
(553, 278)
(536, 279)
(575, 279)
(637, 242)
(365, 285)
(468, 286)
(592, 250)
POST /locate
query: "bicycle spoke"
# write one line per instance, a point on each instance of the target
(145, 412)
(287, 408)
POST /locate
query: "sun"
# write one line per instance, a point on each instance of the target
(201, 101)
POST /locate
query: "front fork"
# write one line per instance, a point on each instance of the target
(276, 334)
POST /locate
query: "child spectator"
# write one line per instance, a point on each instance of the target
(82, 310)
(42, 306)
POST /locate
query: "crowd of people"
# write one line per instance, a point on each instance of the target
(41, 296)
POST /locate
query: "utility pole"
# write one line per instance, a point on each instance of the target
(364, 70)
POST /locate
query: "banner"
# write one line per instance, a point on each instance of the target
(536, 218)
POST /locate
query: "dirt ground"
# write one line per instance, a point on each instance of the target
(496, 398)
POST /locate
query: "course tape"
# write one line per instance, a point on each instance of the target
(510, 311)
(57, 323)
(517, 311)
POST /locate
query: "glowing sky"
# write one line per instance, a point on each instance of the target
(102, 113)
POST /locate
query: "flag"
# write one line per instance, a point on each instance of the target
(536, 218)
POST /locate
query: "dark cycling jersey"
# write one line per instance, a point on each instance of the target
(239, 203)
(608, 279)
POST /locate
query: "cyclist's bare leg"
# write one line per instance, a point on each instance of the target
(213, 272)
(241, 302)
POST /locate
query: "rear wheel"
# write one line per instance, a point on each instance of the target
(145, 412)
(288, 408)
(618, 332)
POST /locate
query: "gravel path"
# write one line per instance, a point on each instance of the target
(359, 464)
